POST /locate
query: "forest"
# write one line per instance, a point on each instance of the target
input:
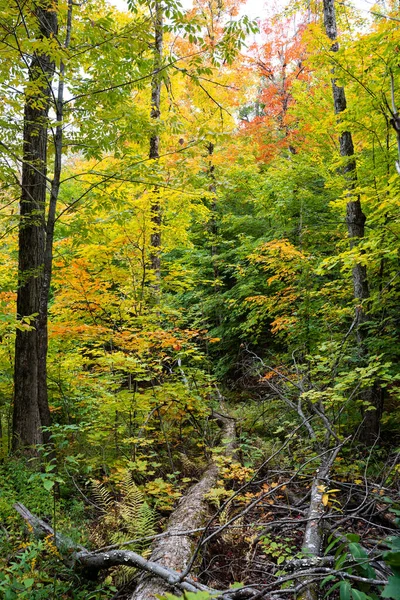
(199, 300)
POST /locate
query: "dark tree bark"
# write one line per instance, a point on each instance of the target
(30, 408)
(156, 215)
(355, 219)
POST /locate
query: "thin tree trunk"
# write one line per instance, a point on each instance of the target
(29, 416)
(156, 216)
(355, 219)
(213, 220)
(42, 327)
(213, 227)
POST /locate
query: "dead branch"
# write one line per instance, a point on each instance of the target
(94, 561)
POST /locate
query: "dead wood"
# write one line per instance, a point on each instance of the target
(176, 551)
(313, 535)
(171, 553)
(73, 553)
(41, 529)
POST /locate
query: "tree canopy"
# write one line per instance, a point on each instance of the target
(199, 291)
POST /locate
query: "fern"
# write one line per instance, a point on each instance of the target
(130, 518)
(235, 535)
(104, 499)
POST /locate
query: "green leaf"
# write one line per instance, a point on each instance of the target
(392, 589)
(357, 551)
(392, 558)
(327, 579)
(353, 537)
(331, 545)
(357, 595)
(48, 484)
(332, 589)
(29, 582)
(345, 590)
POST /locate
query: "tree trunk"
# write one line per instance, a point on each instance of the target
(213, 221)
(355, 219)
(48, 250)
(156, 216)
(30, 406)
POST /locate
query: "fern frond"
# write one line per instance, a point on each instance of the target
(118, 537)
(128, 484)
(103, 497)
(129, 519)
(123, 575)
(131, 502)
(146, 523)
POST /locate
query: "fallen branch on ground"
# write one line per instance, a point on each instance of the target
(95, 561)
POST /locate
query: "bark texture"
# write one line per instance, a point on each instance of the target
(313, 535)
(175, 552)
(48, 249)
(156, 216)
(30, 406)
(355, 219)
(191, 512)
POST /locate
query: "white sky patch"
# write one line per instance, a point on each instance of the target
(259, 8)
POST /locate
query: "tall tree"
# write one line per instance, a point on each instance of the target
(31, 411)
(156, 216)
(355, 219)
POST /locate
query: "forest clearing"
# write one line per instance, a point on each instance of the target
(199, 300)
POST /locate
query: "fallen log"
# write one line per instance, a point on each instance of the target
(73, 553)
(313, 535)
(176, 551)
(41, 529)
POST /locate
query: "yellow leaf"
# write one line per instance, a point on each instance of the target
(325, 499)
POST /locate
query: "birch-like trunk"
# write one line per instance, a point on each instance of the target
(156, 215)
(355, 219)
